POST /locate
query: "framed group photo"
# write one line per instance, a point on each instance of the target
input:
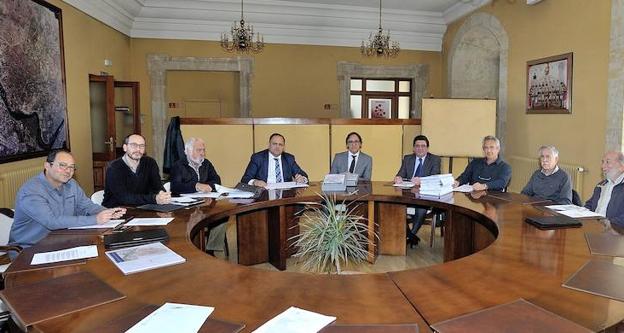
(549, 85)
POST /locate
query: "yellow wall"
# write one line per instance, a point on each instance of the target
(203, 94)
(288, 80)
(87, 43)
(550, 28)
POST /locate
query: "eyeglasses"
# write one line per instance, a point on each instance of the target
(65, 166)
(357, 141)
(136, 145)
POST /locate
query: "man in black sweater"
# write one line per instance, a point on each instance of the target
(134, 179)
(194, 173)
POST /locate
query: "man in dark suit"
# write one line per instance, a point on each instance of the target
(273, 165)
(419, 164)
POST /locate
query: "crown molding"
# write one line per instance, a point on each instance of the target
(282, 22)
(462, 8)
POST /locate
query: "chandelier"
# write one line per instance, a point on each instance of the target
(242, 38)
(380, 44)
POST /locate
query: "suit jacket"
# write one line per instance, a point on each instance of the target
(615, 208)
(184, 178)
(431, 166)
(363, 167)
(258, 167)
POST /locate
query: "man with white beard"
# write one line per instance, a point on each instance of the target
(195, 173)
(608, 197)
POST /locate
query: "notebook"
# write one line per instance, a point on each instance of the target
(553, 222)
(133, 238)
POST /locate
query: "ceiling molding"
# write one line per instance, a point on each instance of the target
(284, 22)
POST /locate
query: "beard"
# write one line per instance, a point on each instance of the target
(136, 156)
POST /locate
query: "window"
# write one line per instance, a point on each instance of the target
(381, 98)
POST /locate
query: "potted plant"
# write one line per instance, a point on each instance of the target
(331, 235)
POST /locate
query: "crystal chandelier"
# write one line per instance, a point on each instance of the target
(380, 44)
(242, 38)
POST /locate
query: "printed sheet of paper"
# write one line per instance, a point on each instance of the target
(202, 195)
(173, 317)
(149, 221)
(284, 185)
(74, 253)
(573, 211)
(110, 224)
(296, 320)
(463, 188)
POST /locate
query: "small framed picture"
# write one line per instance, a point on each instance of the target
(549, 85)
(380, 108)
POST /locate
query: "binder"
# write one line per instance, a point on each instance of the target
(133, 238)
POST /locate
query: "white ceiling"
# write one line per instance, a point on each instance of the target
(415, 24)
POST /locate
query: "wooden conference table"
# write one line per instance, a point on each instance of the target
(491, 257)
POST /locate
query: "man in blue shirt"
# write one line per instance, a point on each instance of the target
(488, 173)
(53, 200)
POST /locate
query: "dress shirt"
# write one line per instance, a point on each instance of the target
(495, 175)
(351, 157)
(605, 195)
(271, 172)
(41, 208)
(417, 163)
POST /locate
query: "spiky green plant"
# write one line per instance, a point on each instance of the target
(330, 238)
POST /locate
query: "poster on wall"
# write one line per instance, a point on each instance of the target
(549, 84)
(33, 106)
(379, 108)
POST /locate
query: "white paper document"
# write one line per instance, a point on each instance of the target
(107, 225)
(202, 195)
(74, 253)
(284, 185)
(295, 320)
(463, 188)
(183, 200)
(148, 221)
(144, 257)
(573, 211)
(173, 317)
(404, 184)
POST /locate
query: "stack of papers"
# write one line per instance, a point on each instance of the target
(74, 253)
(173, 317)
(436, 185)
(404, 185)
(334, 183)
(141, 258)
(573, 211)
(295, 320)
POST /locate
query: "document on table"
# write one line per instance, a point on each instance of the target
(573, 211)
(404, 185)
(110, 224)
(142, 258)
(149, 221)
(284, 185)
(173, 317)
(74, 253)
(463, 188)
(202, 195)
(295, 320)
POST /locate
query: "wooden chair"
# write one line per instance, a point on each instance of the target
(6, 221)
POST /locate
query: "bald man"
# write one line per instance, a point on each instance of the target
(608, 197)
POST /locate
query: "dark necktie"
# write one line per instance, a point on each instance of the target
(278, 171)
(352, 166)
(419, 169)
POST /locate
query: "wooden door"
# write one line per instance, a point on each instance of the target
(102, 109)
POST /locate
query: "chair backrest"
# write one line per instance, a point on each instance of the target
(6, 220)
(98, 197)
(167, 186)
(576, 198)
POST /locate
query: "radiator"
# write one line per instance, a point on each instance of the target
(11, 180)
(523, 168)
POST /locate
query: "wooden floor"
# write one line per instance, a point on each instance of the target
(419, 256)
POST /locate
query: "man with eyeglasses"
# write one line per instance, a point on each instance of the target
(53, 200)
(134, 179)
(273, 165)
(608, 197)
(550, 182)
(488, 173)
(353, 160)
(420, 163)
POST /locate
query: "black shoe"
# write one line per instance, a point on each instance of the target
(210, 252)
(412, 239)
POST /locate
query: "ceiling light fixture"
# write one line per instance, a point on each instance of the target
(380, 44)
(242, 38)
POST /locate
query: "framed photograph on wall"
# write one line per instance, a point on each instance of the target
(33, 104)
(380, 108)
(549, 85)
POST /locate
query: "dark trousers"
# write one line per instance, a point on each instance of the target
(418, 219)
